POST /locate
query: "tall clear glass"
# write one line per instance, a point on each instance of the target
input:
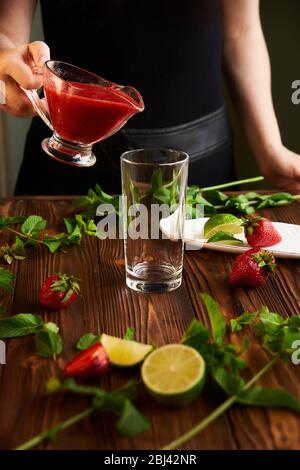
(154, 187)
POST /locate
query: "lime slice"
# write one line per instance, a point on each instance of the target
(222, 222)
(124, 353)
(174, 374)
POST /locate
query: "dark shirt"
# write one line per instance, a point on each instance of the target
(170, 50)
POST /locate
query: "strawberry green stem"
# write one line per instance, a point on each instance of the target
(234, 183)
(34, 441)
(217, 412)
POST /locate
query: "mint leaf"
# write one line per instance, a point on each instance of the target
(246, 319)
(19, 247)
(271, 320)
(289, 336)
(94, 199)
(6, 280)
(195, 334)
(230, 382)
(216, 197)
(156, 179)
(33, 226)
(130, 334)
(132, 422)
(274, 397)
(6, 221)
(224, 237)
(50, 326)
(48, 342)
(163, 195)
(87, 340)
(22, 324)
(53, 243)
(294, 321)
(218, 323)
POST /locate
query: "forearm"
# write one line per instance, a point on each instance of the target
(248, 70)
(15, 22)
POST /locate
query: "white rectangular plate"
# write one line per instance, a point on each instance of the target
(289, 247)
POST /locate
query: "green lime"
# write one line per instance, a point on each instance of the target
(174, 374)
(222, 222)
(124, 353)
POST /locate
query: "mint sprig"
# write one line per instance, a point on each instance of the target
(22, 324)
(33, 232)
(119, 402)
(211, 198)
(226, 367)
(48, 341)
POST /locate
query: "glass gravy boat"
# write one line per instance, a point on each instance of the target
(82, 109)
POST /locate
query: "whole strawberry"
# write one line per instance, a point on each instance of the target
(59, 291)
(252, 268)
(260, 232)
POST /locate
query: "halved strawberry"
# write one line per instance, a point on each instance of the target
(59, 291)
(260, 232)
(89, 364)
(253, 268)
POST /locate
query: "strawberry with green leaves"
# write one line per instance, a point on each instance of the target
(253, 268)
(59, 291)
(260, 232)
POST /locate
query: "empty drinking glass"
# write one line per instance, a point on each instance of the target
(154, 187)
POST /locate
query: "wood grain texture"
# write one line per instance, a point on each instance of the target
(108, 305)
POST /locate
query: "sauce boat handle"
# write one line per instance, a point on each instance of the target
(38, 106)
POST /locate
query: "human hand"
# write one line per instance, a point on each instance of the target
(281, 167)
(16, 70)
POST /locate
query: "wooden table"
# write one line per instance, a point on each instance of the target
(107, 305)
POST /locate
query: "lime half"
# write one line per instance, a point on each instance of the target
(174, 374)
(222, 222)
(124, 353)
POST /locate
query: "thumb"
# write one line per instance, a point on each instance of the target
(40, 52)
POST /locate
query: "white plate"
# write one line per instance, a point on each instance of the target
(289, 247)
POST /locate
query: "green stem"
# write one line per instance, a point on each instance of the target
(249, 203)
(34, 441)
(218, 411)
(233, 183)
(22, 235)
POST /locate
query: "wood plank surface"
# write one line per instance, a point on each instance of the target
(108, 305)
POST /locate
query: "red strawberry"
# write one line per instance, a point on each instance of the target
(252, 268)
(89, 364)
(260, 232)
(59, 291)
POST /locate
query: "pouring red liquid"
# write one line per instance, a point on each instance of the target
(83, 108)
(86, 113)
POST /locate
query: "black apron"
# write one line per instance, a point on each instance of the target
(171, 52)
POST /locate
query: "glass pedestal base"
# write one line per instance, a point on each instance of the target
(66, 152)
